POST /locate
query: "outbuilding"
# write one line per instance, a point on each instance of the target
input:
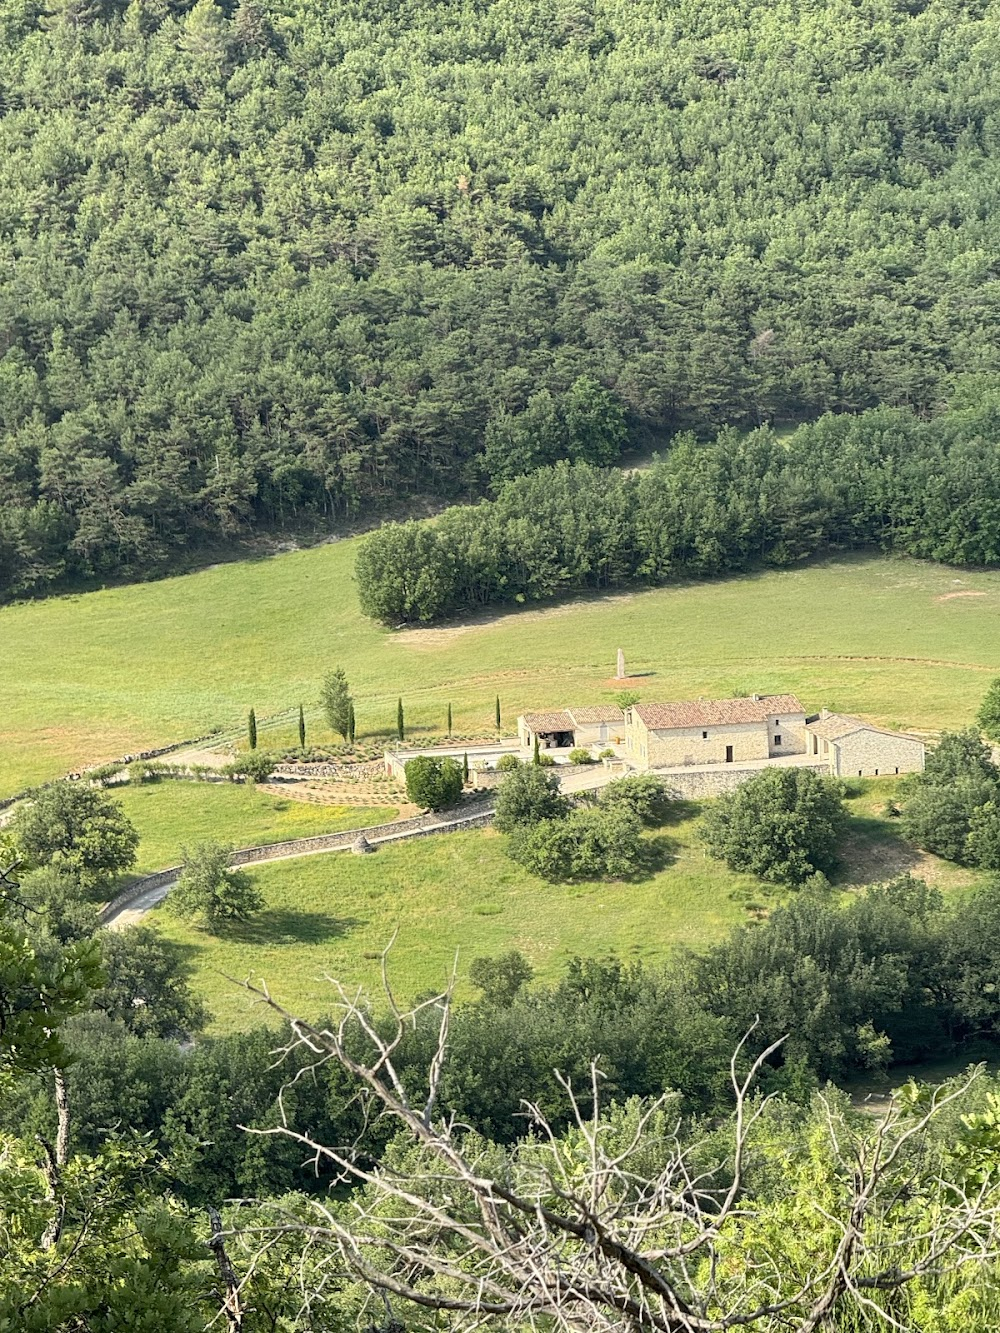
(855, 748)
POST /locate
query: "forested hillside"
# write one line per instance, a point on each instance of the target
(281, 261)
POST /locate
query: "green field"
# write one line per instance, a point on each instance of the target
(331, 916)
(171, 814)
(87, 677)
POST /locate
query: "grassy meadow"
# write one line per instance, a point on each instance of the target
(170, 815)
(459, 894)
(90, 676)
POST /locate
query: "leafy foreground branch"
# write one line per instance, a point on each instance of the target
(634, 1218)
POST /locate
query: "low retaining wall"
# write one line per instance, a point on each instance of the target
(418, 827)
(701, 782)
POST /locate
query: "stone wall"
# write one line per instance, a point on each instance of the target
(476, 814)
(700, 783)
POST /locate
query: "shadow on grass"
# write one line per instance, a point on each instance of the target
(287, 926)
(873, 851)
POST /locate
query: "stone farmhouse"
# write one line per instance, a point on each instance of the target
(717, 731)
(712, 734)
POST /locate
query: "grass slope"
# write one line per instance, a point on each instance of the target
(88, 677)
(171, 814)
(333, 915)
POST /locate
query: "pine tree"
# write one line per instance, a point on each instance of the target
(399, 720)
(302, 728)
(252, 729)
(498, 712)
(465, 767)
(449, 721)
(350, 723)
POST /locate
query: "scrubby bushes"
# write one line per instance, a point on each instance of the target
(434, 783)
(782, 825)
(953, 807)
(590, 843)
(255, 766)
(507, 762)
(642, 794)
(528, 796)
(580, 756)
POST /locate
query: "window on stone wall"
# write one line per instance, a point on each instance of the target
(777, 740)
(704, 735)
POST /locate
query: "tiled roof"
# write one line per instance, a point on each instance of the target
(716, 712)
(599, 713)
(835, 726)
(549, 721)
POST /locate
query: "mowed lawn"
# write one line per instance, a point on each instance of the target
(88, 677)
(170, 815)
(459, 896)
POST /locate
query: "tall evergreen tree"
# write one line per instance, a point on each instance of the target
(498, 713)
(449, 721)
(400, 730)
(350, 723)
(252, 729)
(336, 701)
(302, 728)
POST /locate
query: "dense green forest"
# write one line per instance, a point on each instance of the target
(280, 262)
(882, 479)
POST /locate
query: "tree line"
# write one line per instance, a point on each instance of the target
(884, 479)
(265, 267)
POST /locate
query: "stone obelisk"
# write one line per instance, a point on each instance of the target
(620, 673)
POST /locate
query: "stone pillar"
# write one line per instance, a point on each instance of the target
(620, 673)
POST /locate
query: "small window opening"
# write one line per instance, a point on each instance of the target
(704, 735)
(860, 773)
(777, 740)
(897, 768)
(876, 772)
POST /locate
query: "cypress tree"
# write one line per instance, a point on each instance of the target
(350, 723)
(399, 720)
(536, 758)
(252, 729)
(302, 729)
(465, 767)
(498, 712)
(449, 721)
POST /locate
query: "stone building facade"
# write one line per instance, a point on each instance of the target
(717, 731)
(854, 748)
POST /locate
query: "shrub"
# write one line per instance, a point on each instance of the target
(545, 760)
(209, 891)
(593, 843)
(580, 756)
(783, 824)
(432, 782)
(501, 978)
(606, 754)
(527, 796)
(641, 793)
(257, 766)
(507, 763)
(988, 716)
